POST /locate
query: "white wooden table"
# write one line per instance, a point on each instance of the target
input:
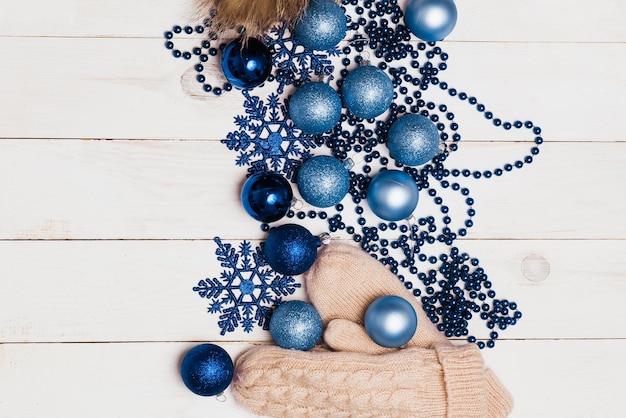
(113, 183)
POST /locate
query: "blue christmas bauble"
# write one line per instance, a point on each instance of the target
(322, 25)
(266, 196)
(392, 195)
(290, 249)
(430, 20)
(207, 369)
(315, 108)
(246, 64)
(323, 181)
(413, 139)
(296, 324)
(390, 321)
(367, 92)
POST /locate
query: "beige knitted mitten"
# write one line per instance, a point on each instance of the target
(429, 377)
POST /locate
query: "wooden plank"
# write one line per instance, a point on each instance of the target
(518, 21)
(74, 291)
(546, 378)
(131, 88)
(191, 190)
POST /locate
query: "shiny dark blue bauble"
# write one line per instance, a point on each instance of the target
(430, 20)
(246, 65)
(296, 325)
(290, 249)
(392, 195)
(266, 196)
(322, 25)
(367, 92)
(390, 321)
(413, 139)
(323, 181)
(207, 370)
(315, 108)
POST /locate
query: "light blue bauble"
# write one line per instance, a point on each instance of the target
(323, 181)
(390, 321)
(367, 92)
(322, 25)
(296, 324)
(413, 140)
(430, 20)
(392, 195)
(315, 108)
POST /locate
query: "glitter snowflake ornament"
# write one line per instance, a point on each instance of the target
(247, 290)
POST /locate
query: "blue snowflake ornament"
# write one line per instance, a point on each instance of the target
(247, 290)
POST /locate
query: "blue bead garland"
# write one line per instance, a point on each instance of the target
(452, 287)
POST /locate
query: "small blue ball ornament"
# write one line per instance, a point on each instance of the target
(323, 181)
(413, 140)
(322, 25)
(392, 195)
(390, 321)
(315, 108)
(266, 196)
(296, 325)
(246, 64)
(290, 249)
(430, 20)
(207, 369)
(367, 92)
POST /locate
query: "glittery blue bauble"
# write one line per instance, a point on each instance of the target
(296, 324)
(315, 108)
(266, 196)
(322, 25)
(290, 249)
(246, 65)
(392, 195)
(390, 321)
(367, 92)
(413, 139)
(323, 181)
(207, 369)
(430, 20)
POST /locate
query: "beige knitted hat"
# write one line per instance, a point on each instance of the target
(430, 377)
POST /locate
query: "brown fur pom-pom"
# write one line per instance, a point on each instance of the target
(255, 16)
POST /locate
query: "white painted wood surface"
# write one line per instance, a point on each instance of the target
(113, 183)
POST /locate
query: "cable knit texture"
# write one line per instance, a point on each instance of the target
(430, 377)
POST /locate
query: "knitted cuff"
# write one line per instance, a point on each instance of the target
(464, 377)
(499, 401)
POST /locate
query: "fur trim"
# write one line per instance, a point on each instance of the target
(255, 16)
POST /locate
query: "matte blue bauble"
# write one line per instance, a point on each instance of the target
(367, 92)
(430, 20)
(390, 321)
(207, 370)
(266, 196)
(322, 25)
(392, 195)
(246, 65)
(315, 108)
(413, 139)
(290, 249)
(296, 324)
(323, 181)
